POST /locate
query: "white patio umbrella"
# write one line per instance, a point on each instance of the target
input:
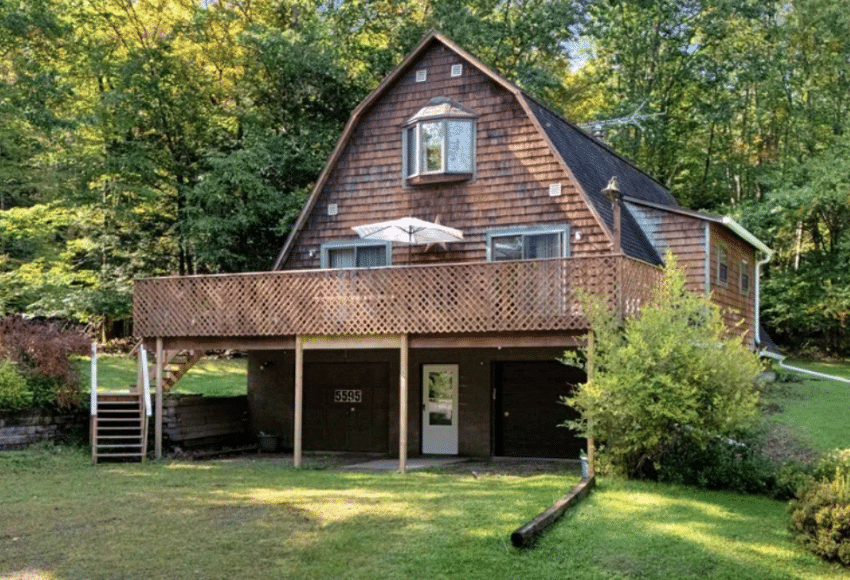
(409, 230)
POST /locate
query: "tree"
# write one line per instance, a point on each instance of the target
(806, 221)
(673, 372)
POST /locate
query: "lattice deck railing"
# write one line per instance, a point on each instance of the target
(537, 295)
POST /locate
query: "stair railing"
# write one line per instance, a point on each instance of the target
(146, 381)
(93, 430)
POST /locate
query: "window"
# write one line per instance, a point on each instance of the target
(528, 243)
(439, 142)
(722, 266)
(356, 254)
(744, 281)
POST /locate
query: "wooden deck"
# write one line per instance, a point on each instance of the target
(447, 299)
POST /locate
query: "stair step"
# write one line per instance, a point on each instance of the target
(99, 455)
(116, 447)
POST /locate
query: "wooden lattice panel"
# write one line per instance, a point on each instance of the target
(535, 295)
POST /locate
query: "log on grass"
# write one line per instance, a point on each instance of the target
(525, 535)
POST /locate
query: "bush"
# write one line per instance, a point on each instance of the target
(42, 353)
(14, 393)
(820, 518)
(674, 372)
(723, 463)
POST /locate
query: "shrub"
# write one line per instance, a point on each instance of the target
(14, 393)
(722, 463)
(820, 518)
(673, 372)
(42, 351)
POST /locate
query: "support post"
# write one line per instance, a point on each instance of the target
(591, 444)
(160, 367)
(299, 401)
(404, 357)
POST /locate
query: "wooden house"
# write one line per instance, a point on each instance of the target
(365, 345)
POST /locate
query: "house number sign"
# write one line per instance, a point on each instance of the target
(348, 396)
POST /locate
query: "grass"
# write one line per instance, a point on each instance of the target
(63, 518)
(209, 377)
(815, 409)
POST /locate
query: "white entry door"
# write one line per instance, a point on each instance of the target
(439, 409)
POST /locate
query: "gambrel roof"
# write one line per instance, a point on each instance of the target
(589, 163)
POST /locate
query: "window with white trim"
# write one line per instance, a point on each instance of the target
(528, 243)
(439, 142)
(744, 277)
(722, 266)
(356, 254)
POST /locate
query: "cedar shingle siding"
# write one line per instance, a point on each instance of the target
(514, 168)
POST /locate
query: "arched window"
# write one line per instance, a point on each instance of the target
(439, 143)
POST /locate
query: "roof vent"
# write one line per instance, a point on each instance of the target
(457, 70)
(554, 190)
(421, 75)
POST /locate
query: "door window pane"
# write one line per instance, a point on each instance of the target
(440, 398)
(527, 246)
(341, 258)
(371, 257)
(507, 248)
(539, 246)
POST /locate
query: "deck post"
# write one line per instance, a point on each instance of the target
(591, 444)
(299, 400)
(402, 403)
(160, 365)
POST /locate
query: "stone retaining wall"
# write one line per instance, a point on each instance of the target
(21, 428)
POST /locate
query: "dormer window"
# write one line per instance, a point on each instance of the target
(439, 143)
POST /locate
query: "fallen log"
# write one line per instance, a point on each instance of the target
(525, 535)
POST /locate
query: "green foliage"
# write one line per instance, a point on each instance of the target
(673, 372)
(820, 518)
(41, 352)
(152, 138)
(737, 464)
(806, 220)
(14, 393)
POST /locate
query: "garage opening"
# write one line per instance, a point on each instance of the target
(346, 406)
(528, 411)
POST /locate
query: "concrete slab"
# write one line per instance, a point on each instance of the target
(379, 465)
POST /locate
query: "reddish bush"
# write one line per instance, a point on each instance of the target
(42, 351)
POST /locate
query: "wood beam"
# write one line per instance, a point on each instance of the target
(179, 343)
(350, 342)
(299, 401)
(404, 356)
(507, 341)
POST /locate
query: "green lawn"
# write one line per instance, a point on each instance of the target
(63, 518)
(210, 377)
(818, 410)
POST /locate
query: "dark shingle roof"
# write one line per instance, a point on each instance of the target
(593, 165)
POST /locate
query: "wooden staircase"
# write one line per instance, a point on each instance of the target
(119, 423)
(178, 364)
(120, 427)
